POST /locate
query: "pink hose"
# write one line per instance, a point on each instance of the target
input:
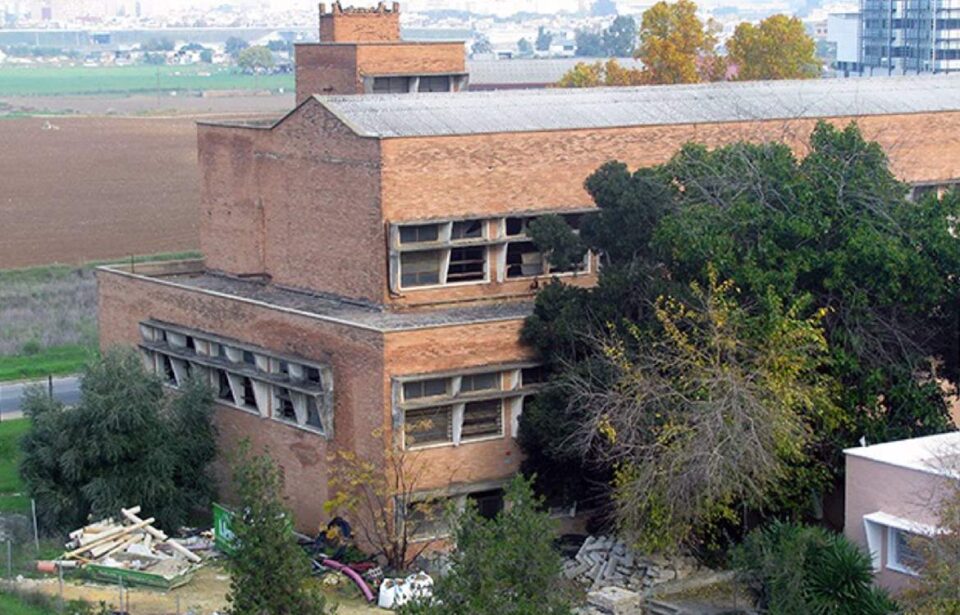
(350, 572)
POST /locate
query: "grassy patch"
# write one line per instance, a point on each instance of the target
(52, 80)
(13, 605)
(50, 317)
(53, 361)
(11, 487)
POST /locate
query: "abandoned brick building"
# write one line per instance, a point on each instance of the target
(366, 271)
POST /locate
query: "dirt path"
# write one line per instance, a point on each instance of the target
(204, 595)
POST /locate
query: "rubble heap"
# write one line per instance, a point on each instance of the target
(605, 561)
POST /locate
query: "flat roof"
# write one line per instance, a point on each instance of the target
(322, 306)
(937, 454)
(467, 113)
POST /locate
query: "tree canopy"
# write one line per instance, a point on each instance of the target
(609, 73)
(676, 46)
(124, 444)
(744, 274)
(255, 58)
(777, 48)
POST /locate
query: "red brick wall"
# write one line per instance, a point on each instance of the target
(326, 70)
(410, 58)
(318, 187)
(499, 173)
(355, 355)
(347, 26)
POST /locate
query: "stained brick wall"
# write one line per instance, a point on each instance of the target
(301, 200)
(338, 69)
(352, 25)
(451, 349)
(326, 70)
(355, 355)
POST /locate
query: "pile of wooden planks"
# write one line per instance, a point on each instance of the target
(129, 543)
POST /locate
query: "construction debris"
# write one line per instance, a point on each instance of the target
(133, 551)
(604, 561)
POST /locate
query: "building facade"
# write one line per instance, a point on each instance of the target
(367, 271)
(909, 36)
(894, 495)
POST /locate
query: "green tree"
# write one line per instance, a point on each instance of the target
(120, 446)
(544, 38)
(777, 48)
(831, 236)
(589, 44)
(502, 566)
(609, 73)
(234, 45)
(796, 570)
(255, 59)
(481, 45)
(269, 572)
(620, 39)
(676, 46)
(524, 48)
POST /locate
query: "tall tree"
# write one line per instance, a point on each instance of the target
(544, 38)
(269, 572)
(830, 236)
(255, 59)
(620, 39)
(122, 444)
(589, 44)
(676, 46)
(777, 48)
(234, 45)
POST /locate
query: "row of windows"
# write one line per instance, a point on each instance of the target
(463, 408)
(252, 379)
(466, 250)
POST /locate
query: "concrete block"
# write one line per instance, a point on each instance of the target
(615, 601)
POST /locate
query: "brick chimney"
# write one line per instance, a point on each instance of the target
(359, 25)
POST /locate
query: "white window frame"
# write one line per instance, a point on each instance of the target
(881, 528)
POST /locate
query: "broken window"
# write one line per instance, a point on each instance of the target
(312, 375)
(420, 268)
(482, 419)
(518, 226)
(248, 399)
(391, 85)
(467, 264)
(523, 260)
(166, 371)
(532, 375)
(434, 84)
(480, 382)
(223, 387)
(422, 233)
(425, 388)
(488, 503)
(467, 229)
(427, 519)
(428, 426)
(283, 405)
(313, 413)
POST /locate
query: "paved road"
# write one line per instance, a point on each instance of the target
(66, 390)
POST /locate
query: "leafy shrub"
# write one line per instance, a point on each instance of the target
(800, 570)
(507, 565)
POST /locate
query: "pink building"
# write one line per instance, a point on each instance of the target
(893, 493)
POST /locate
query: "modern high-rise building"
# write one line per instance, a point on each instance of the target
(909, 36)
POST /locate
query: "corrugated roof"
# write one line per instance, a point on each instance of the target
(465, 113)
(488, 73)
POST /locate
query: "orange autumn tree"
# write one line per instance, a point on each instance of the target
(777, 48)
(611, 72)
(676, 46)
